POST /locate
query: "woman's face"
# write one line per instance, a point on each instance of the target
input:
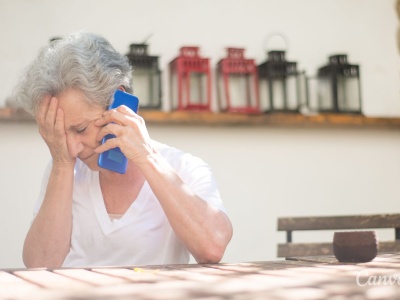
(79, 117)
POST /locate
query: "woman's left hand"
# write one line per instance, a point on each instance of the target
(130, 131)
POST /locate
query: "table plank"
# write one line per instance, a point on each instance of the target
(132, 275)
(12, 280)
(47, 279)
(388, 260)
(193, 276)
(12, 287)
(339, 222)
(91, 277)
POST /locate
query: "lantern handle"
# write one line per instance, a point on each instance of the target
(147, 38)
(276, 34)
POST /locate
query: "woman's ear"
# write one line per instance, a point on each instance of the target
(122, 88)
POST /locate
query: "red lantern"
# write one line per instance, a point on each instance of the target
(238, 83)
(190, 81)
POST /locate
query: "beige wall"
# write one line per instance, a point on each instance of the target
(263, 172)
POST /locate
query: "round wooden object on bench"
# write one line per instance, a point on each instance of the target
(355, 246)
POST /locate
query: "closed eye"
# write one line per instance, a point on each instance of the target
(81, 130)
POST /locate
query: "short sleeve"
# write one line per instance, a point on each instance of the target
(196, 174)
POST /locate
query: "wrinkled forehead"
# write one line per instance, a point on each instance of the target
(76, 108)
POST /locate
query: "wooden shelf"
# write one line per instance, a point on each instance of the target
(232, 119)
(9, 114)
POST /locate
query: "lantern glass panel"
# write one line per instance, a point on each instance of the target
(292, 94)
(174, 90)
(240, 91)
(222, 95)
(302, 90)
(146, 86)
(156, 87)
(141, 86)
(277, 92)
(348, 93)
(197, 85)
(325, 93)
(264, 94)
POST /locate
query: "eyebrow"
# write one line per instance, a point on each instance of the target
(86, 121)
(75, 126)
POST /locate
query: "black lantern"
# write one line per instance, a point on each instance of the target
(339, 86)
(146, 79)
(281, 88)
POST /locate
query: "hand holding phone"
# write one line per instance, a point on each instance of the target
(114, 159)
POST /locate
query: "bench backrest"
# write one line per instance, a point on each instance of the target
(350, 222)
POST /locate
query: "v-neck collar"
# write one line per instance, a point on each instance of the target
(106, 224)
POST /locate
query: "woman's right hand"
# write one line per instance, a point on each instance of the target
(50, 119)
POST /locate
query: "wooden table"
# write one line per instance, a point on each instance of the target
(319, 277)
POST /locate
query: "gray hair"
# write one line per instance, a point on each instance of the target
(84, 61)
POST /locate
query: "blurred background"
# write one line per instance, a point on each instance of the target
(263, 172)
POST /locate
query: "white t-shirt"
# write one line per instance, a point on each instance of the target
(143, 235)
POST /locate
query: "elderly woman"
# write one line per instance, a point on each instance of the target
(165, 207)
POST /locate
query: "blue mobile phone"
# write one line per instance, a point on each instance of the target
(114, 159)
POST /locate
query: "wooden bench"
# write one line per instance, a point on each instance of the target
(356, 222)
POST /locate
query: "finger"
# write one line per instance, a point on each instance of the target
(110, 128)
(120, 115)
(51, 113)
(126, 110)
(131, 115)
(59, 123)
(100, 122)
(109, 144)
(42, 111)
(111, 116)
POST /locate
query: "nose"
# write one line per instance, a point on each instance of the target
(74, 143)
